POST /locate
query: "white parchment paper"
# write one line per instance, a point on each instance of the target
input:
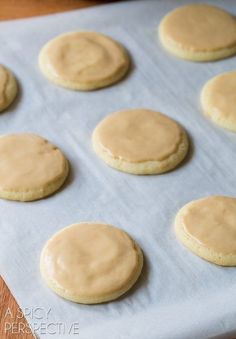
(179, 295)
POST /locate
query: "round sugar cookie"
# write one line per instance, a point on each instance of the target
(218, 98)
(207, 227)
(83, 60)
(30, 167)
(8, 87)
(199, 32)
(91, 263)
(140, 141)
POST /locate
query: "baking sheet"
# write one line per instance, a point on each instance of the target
(178, 295)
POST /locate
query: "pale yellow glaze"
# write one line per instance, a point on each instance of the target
(139, 135)
(218, 99)
(90, 261)
(28, 163)
(211, 222)
(199, 27)
(4, 76)
(83, 60)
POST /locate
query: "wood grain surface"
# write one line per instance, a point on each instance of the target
(12, 325)
(13, 9)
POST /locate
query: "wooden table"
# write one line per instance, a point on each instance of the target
(12, 9)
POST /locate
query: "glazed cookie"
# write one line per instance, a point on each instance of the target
(30, 168)
(8, 87)
(218, 100)
(207, 227)
(91, 263)
(199, 32)
(83, 60)
(140, 141)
